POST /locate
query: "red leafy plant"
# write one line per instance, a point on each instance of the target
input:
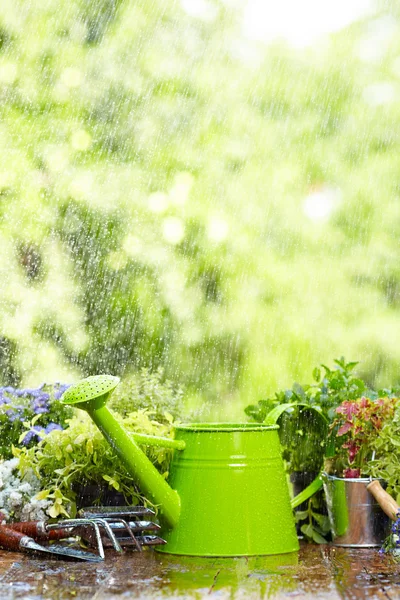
(358, 424)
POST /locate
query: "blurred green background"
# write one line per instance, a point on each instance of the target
(177, 194)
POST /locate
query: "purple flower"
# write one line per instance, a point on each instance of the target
(40, 405)
(14, 415)
(62, 387)
(39, 432)
(52, 426)
(35, 431)
(35, 392)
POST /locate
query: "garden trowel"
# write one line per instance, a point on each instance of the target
(19, 542)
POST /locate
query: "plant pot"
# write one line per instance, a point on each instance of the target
(92, 494)
(356, 519)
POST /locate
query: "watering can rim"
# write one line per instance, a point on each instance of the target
(225, 427)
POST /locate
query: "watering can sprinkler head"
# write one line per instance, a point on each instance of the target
(91, 392)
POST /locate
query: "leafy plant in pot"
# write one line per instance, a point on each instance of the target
(355, 516)
(303, 435)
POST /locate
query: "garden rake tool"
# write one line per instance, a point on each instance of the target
(16, 541)
(125, 524)
(99, 528)
(44, 531)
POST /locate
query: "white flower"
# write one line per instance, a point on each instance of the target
(16, 495)
(25, 488)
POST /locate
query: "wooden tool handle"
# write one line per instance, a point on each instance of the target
(386, 502)
(29, 528)
(9, 539)
(37, 530)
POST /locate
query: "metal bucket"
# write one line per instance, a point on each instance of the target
(356, 518)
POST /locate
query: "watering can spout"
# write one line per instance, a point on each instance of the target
(91, 394)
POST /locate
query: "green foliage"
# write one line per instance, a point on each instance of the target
(152, 216)
(151, 392)
(34, 409)
(316, 526)
(357, 427)
(303, 437)
(66, 459)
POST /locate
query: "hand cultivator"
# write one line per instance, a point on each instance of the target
(112, 528)
(125, 529)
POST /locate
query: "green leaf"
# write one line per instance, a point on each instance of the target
(54, 511)
(22, 436)
(35, 419)
(307, 530)
(318, 539)
(298, 389)
(359, 383)
(317, 374)
(300, 515)
(322, 520)
(42, 495)
(350, 366)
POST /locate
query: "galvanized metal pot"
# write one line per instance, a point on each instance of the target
(356, 518)
(227, 492)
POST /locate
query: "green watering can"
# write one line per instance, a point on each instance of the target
(227, 492)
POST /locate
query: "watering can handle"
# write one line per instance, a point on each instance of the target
(273, 416)
(272, 419)
(152, 440)
(385, 501)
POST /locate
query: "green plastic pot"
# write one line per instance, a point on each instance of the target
(227, 492)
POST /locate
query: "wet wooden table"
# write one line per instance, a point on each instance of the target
(316, 572)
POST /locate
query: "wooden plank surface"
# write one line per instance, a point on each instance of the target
(316, 572)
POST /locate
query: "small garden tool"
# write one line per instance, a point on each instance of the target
(221, 474)
(124, 528)
(44, 531)
(100, 529)
(19, 542)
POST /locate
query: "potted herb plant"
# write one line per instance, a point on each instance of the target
(355, 516)
(303, 435)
